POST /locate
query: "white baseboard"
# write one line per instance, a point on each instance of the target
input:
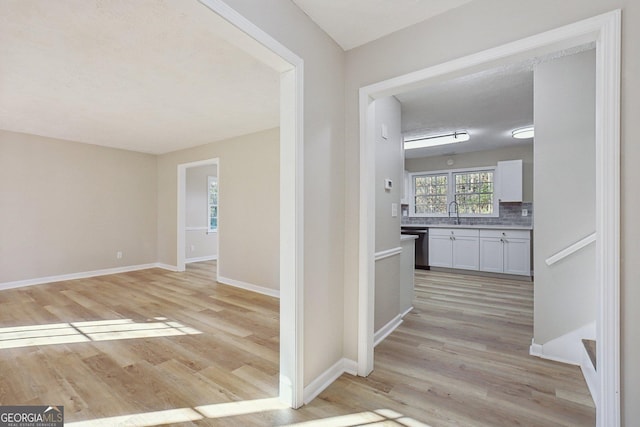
(73, 276)
(166, 266)
(407, 311)
(249, 286)
(200, 259)
(317, 386)
(567, 348)
(590, 376)
(384, 332)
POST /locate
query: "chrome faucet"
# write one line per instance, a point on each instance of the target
(456, 211)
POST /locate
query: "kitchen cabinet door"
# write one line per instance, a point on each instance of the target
(517, 256)
(509, 181)
(440, 251)
(491, 254)
(466, 252)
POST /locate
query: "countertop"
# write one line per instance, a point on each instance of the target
(404, 237)
(476, 226)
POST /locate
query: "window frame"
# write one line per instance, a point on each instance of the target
(451, 192)
(211, 179)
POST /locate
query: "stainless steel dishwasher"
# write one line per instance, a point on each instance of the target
(422, 245)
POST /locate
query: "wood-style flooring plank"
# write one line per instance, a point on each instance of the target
(460, 358)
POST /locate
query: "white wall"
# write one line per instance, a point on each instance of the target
(566, 293)
(481, 25)
(67, 207)
(389, 164)
(522, 151)
(249, 210)
(199, 243)
(324, 175)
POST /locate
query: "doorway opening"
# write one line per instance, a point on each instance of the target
(604, 31)
(291, 69)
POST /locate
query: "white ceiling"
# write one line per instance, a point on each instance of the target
(146, 75)
(352, 23)
(488, 105)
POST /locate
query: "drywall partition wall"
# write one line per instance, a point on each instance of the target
(565, 293)
(432, 42)
(324, 172)
(521, 150)
(68, 207)
(200, 244)
(248, 236)
(389, 166)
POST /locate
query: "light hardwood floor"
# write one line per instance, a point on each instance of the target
(180, 349)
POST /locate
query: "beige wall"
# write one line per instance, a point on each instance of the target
(481, 25)
(479, 159)
(324, 175)
(389, 164)
(249, 206)
(199, 243)
(566, 293)
(68, 207)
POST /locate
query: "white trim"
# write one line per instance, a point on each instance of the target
(567, 348)
(166, 266)
(605, 30)
(249, 286)
(386, 330)
(591, 238)
(387, 253)
(407, 311)
(182, 207)
(325, 379)
(201, 259)
(291, 203)
(81, 275)
(590, 376)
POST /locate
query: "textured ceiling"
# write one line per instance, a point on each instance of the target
(352, 23)
(489, 105)
(146, 75)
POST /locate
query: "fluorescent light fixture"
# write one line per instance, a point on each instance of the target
(435, 140)
(523, 133)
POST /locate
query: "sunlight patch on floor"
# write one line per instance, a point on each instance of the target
(97, 330)
(183, 415)
(380, 417)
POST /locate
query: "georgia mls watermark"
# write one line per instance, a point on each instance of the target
(31, 416)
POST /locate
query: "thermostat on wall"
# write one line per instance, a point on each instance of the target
(388, 184)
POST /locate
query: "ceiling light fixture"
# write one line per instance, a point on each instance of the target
(523, 133)
(434, 140)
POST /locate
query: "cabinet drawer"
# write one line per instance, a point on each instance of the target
(514, 234)
(456, 232)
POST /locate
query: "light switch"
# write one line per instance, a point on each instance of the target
(525, 212)
(394, 210)
(384, 130)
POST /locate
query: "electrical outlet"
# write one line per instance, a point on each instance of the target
(525, 212)
(119, 255)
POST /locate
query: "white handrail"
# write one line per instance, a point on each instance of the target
(571, 249)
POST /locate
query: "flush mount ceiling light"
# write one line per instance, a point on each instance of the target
(434, 140)
(523, 133)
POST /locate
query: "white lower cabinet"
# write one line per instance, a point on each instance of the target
(494, 251)
(505, 251)
(454, 248)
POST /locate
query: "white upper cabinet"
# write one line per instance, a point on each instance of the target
(509, 181)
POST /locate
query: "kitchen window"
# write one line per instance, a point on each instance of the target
(213, 203)
(472, 189)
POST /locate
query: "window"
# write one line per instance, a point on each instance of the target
(213, 203)
(474, 192)
(430, 194)
(472, 189)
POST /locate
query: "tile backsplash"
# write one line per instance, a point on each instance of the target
(510, 214)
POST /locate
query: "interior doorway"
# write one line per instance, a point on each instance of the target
(604, 30)
(291, 69)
